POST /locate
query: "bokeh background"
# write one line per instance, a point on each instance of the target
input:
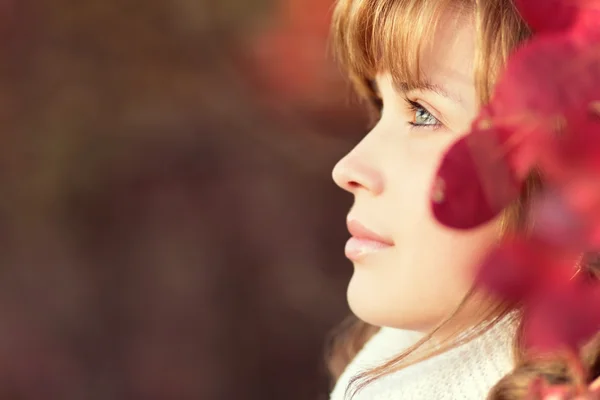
(168, 225)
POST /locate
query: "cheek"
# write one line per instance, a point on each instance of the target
(408, 185)
(431, 266)
(419, 235)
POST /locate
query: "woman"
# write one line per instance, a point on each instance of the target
(426, 67)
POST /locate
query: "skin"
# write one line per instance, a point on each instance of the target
(423, 277)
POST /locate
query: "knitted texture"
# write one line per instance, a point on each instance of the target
(467, 372)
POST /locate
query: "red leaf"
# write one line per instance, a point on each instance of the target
(517, 268)
(547, 80)
(587, 28)
(557, 222)
(474, 182)
(550, 15)
(582, 195)
(570, 215)
(565, 315)
(548, 98)
(577, 152)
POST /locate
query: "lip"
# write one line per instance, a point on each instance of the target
(364, 241)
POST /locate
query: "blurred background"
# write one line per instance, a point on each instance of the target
(168, 225)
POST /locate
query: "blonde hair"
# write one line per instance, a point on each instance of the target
(372, 36)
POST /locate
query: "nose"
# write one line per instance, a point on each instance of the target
(355, 173)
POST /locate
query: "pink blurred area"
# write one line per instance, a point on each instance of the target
(168, 225)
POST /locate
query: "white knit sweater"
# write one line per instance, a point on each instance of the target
(466, 372)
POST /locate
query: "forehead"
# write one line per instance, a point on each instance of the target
(447, 59)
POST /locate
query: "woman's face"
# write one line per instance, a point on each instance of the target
(409, 271)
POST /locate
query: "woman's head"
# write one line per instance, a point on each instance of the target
(426, 65)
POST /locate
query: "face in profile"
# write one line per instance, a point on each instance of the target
(409, 271)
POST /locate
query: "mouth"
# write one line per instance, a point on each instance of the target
(364, 242)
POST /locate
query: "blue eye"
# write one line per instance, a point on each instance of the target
(422, 117)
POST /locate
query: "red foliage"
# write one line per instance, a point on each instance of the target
(544, 114)
(475, 182)
(519, 268)
(548, 15)
(569, 215)
(576, 17)
(565, 314)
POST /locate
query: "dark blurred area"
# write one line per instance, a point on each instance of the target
(169, 228)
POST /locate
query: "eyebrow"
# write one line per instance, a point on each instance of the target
(430, 87)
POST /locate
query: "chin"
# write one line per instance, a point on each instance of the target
(367, 304)
(375, 308)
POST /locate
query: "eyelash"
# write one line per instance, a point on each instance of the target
(414, 106)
